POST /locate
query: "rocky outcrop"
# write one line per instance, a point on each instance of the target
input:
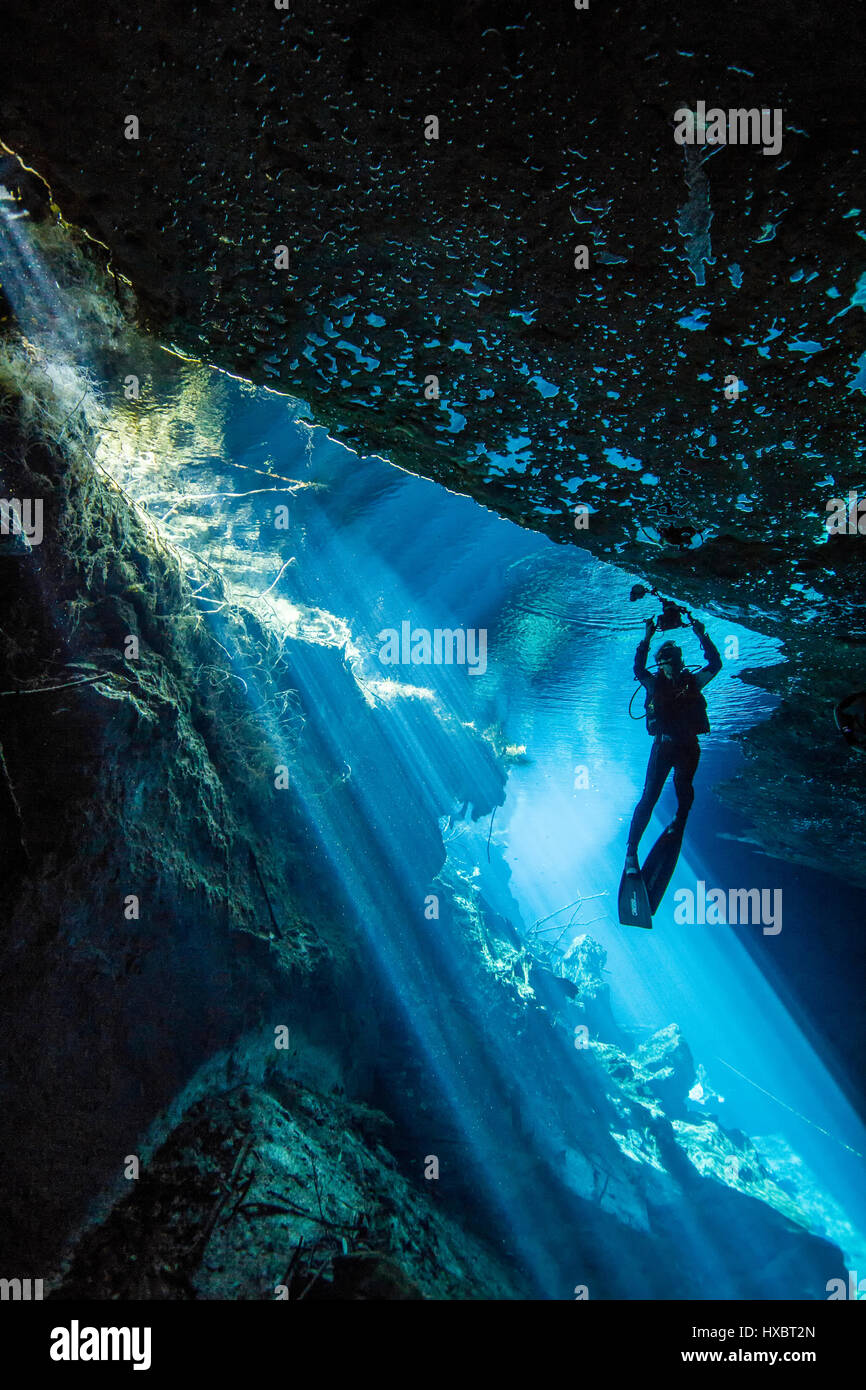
(626, 1161)
(139, 934)
(667, 1064)
(168, 914)
(285, 1195)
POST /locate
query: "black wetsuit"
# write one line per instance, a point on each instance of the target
(680, 715)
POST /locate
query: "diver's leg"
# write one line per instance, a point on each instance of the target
(685, 760)
(658, 767)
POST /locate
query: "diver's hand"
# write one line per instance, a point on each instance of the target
(698, 627)
(650, 627)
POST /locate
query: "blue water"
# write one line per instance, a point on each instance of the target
(375, 546)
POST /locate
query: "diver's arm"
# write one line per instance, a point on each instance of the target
(710, 651)
(640, 656)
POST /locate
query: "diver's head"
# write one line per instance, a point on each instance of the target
(669, 658)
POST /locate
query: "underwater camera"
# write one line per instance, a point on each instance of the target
(671, 615)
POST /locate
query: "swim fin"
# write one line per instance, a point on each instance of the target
(634, 907)
(659, 865)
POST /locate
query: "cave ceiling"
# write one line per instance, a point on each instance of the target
(700, 377)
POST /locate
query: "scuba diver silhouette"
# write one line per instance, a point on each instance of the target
(676, 714)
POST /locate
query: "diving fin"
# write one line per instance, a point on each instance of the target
(660, 863)
(634, 906)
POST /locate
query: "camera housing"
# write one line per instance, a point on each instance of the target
(671, 616)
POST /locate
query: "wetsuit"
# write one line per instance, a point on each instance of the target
(680, 714)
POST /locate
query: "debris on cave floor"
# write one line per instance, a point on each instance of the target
(258, 1197)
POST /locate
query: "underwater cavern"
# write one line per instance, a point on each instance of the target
(375, 382)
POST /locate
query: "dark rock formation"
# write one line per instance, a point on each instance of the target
(166, 911)
(276, 1196)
